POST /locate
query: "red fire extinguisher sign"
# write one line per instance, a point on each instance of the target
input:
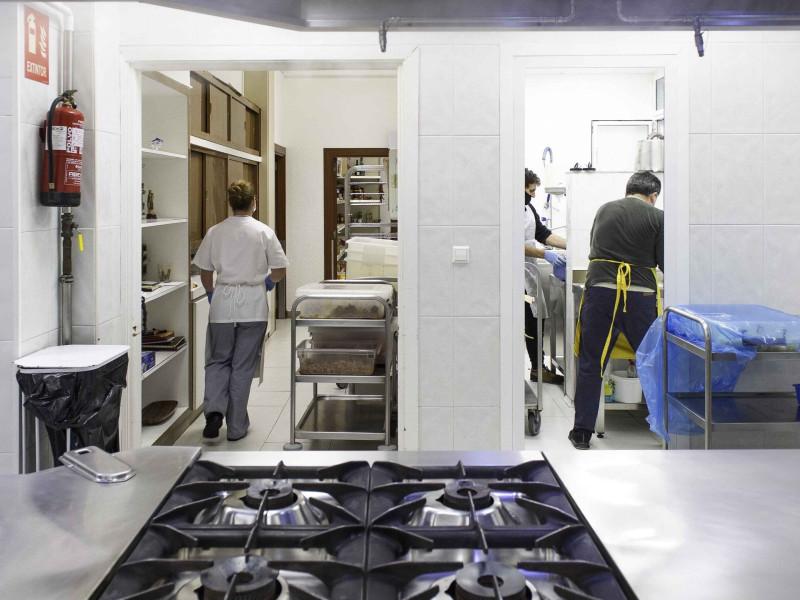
(36, 40)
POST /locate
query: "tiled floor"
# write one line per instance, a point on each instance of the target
(269, 415)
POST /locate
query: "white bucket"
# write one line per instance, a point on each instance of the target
(626, 390)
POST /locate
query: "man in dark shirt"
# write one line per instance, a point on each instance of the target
(627, 244)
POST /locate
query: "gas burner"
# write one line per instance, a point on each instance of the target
(457, 493)
(489, 581)
(279, 493)
(255, 579)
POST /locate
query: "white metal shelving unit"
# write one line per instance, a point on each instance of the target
(166, 173)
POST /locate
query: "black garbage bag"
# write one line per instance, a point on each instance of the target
(85, 401)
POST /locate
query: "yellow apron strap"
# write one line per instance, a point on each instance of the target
(623, 282)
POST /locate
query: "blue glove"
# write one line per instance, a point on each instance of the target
(209, 295)
(555, 259)
(269, 283)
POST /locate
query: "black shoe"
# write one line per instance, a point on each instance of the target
(580, 438)
(230, 439)
(213, 423)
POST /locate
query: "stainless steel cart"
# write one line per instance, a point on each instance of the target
(533, 393)
(765, 411)
(329, 416)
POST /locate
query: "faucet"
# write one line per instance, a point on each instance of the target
(547, 151)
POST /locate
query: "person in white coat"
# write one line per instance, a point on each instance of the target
(536, 231)
(248, 260)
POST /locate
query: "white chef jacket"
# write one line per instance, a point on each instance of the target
(530, 274)
(242, 251)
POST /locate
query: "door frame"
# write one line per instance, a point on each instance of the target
(280, 223)
(329, 156)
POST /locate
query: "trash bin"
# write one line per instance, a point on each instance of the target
(75, 389)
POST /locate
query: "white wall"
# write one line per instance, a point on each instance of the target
(10, 26)
(559, 109)
(33, 238)
(744, 217)
(279, 104)
(324, 112)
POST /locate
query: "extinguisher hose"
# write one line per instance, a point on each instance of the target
(50, 175)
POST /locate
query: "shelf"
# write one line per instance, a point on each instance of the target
(151, 433)
(367, 203)
(625, 405)
(369, 225)
(150, 153)
(730, 356)
(165, 289)
(163, 357)
(162, 221)
(378, 377)
(734, 411)
(376, 323)
(330, 417)
(340, 256)
(364, 178)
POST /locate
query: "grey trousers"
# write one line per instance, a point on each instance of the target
(230, 361)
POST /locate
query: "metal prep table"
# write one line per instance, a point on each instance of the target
(718, 524)
(767, 411)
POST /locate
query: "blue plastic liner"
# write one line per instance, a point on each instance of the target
(735, 328)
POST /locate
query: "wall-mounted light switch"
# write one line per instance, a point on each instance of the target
(460, 254)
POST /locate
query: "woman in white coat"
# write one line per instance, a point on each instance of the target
(248, 261)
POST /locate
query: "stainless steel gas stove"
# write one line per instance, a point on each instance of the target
(407, 526)
(353, 530)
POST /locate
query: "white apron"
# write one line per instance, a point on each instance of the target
(530, 262)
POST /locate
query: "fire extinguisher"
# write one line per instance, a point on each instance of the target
(63, 153)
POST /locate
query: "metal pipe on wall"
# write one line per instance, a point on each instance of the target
(67, 225)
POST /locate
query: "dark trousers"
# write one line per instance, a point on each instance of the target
(596, 315)
(231, 356)
(530, 336)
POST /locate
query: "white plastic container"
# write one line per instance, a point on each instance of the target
(626, 390)
(371, 257)
(344, 300)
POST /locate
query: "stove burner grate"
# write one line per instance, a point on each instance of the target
(245, 577)
(279, 494)
(489, 581)
(457, 495)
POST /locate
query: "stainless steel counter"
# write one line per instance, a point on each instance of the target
(699, 525)
(61, 534)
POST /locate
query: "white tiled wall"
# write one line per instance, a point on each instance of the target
(745, 138)
(459, 204)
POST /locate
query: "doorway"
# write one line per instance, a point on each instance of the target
(334, 168)
(280, 222)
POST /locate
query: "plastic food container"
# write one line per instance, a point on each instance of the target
(344, 301)
(336, 335)
(627, 390)
(337, 358)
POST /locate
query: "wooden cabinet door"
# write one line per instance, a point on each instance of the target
(252, 130)
(235, 170)
(198, 102)
(218, 113)
(195, 200)
(238, 123)
(215, 201)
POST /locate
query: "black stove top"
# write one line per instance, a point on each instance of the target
(354, 531)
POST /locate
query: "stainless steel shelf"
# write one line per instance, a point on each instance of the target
(378, 377)
(742, 411)
(761, 354)
(377, 323)
(625, 406)
(343, 418)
